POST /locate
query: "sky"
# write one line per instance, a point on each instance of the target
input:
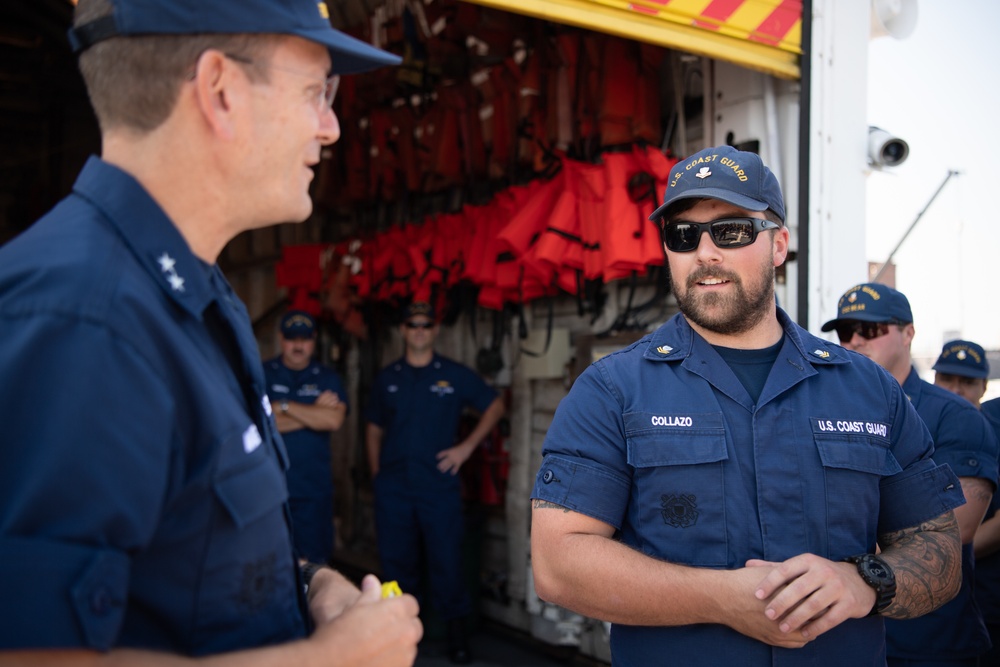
(938, 90)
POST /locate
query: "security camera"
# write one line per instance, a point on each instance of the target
(885, 150)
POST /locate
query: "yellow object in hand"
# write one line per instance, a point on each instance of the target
(390, 589)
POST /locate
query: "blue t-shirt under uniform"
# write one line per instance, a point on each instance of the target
(142, 490)
(662, 441)
(309, 472)
(965, 441)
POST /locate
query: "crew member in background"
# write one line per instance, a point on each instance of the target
(962, 368)
(413, 417)
(718, 489)
(142, 496)
(309, 402)
(876, 321)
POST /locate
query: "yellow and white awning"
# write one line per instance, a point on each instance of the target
(765, 35)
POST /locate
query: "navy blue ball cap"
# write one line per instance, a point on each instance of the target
(963, 357)
(872, 302)
(722, 172)
(304, 18)
(297, 324)
(418, 309)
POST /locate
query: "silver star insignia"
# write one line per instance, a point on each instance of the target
(176, 282)
(166, 262)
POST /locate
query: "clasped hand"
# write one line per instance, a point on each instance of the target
(799, 599)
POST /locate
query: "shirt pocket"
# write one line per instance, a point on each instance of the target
(854, 465)
(248, 578)
(678, 505)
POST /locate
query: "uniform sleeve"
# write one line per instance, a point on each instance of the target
(966, 442)
(924, 489)
(83, 471)
(584, 466)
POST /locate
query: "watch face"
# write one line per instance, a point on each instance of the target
(878, 570)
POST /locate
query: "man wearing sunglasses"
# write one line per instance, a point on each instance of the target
(876, 321)
(143, 514)
(413, 416)
(719, 489)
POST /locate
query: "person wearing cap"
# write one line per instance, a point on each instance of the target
(311, 402)
(876, 321)
(143, 515)
(719, 489)
(963, 369)
(413, 417)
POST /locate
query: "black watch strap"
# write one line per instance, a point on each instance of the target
(879, 575)
(309, 571)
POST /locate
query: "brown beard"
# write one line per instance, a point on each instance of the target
(741, 311)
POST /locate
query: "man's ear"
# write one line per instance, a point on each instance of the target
(780, 245)
(217, 82)
(909, 332)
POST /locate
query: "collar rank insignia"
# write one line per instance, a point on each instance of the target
(822, 354)
(664, 349)
(167, 265)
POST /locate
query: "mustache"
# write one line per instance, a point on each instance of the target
(707, 272)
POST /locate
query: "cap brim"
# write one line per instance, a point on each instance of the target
(727, 196)
(963, 371)
(855, 317)
(349, 55)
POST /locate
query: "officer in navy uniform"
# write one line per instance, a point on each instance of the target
(718, 490)
(311, 403)
(142, 488)
(962, 368)
(987, 548)
(876, 321)
(413, 418)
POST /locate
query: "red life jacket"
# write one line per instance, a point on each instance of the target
(629, 241)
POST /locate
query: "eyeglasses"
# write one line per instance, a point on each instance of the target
(418, 325)
(867, 330)
(684, 236)
(327, 93)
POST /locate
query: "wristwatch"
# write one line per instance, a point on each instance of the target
(284, 407)
(876, 573)
(308, 571)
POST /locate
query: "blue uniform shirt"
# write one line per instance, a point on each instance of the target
(988, 568)
(963, 439)
(308, 450)
(661, 441)
(142, 494)
(419, 411)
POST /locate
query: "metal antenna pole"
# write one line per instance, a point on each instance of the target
(951, 172)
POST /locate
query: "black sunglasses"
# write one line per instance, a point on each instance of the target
(867, 330)
(418, 325)
(684, 236)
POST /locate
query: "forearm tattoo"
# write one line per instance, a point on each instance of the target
(976, 488)
(927, 561)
